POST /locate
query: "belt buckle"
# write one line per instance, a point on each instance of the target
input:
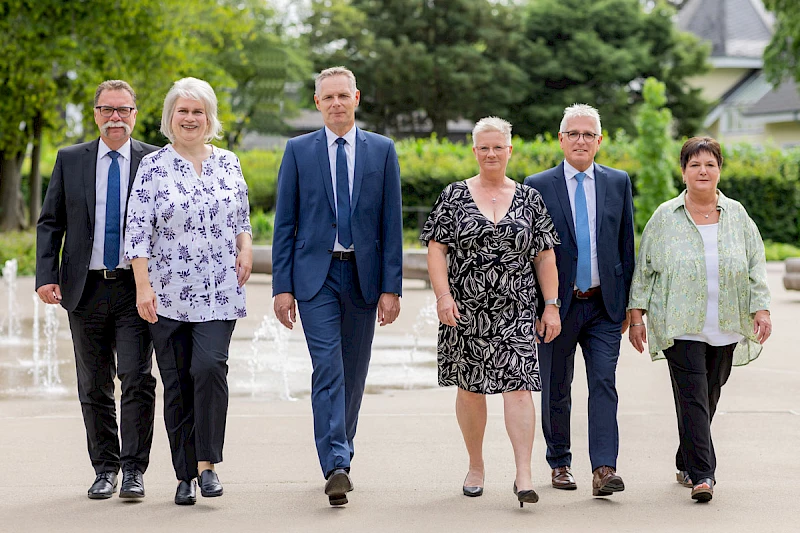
(110, 274)
(581, 295)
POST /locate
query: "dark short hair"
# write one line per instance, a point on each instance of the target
(114, 85)
(695, 145)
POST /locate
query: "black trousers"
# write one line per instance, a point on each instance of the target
(698, 372)
(193, 361)
(106, 323)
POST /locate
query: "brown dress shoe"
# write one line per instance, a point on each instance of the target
(606, 481)
(562, 478)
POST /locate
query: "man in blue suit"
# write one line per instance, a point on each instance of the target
(592, 210)
(337, 251)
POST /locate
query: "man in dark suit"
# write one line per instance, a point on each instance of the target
(84, 210)
(337, 250)
(592, 210)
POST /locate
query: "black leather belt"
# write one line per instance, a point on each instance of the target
(119, 273)
(344, 256)
(590, 293)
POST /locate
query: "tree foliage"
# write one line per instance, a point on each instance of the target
(652, 147)
(599, 53)
(422, 60)
(782, 55)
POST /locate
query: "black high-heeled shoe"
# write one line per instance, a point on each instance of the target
(473, 492)
(525, 496)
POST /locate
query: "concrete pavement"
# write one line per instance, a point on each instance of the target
(410, 460)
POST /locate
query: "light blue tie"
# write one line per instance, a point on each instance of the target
(342, 196)
(111, 244)
(584, 278)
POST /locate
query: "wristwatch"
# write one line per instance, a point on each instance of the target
(554, 301)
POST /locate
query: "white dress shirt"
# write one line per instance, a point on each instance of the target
(350, 153)
(101, 192)
(591, 206)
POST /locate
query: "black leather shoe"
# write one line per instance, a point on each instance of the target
(186, 493)
(132, 483)
(337, 486)
(525, 496)
(105, 484)
(210, 486)
(473, 491)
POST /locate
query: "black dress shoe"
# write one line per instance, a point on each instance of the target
(132, 483)
(525, 496)
(337, 486)
(105, 484)
(473, 492)
(186, 493)
(210, 486)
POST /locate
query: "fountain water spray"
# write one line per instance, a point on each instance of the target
(11, 326)
(271, 331)
(426, 317)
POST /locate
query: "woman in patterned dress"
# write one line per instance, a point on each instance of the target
(188, 238)
(485, 237)
(701, 278)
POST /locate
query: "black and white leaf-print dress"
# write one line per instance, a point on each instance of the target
(493, 284)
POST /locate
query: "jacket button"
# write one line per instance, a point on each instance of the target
(333, 225)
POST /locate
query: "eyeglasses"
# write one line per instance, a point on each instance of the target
(484, 150)
(107, 111)
(575, 135)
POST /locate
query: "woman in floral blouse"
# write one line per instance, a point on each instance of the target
(701, 279)
(188, 238)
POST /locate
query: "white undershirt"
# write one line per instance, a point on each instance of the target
(711, 333)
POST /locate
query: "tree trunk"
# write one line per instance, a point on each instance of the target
(439, 125)
(35, 202)
(11, 216)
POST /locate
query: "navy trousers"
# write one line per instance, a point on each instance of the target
(339, 326)
(586, 323)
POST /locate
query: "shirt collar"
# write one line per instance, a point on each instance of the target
(570, 171)
(680, 201)
(124, 150)
(350, 136)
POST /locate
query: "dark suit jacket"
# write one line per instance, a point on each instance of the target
(305, 217)
(615, 254)
(68, 216)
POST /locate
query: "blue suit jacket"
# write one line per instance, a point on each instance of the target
(615, 250)
(305, 217)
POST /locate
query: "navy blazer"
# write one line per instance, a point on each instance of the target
(68, 216)
(615, 249)
(305, 217)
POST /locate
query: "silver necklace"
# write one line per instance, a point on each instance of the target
(706, 215)
(494, 196)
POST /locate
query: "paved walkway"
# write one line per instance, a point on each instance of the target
(410, 459)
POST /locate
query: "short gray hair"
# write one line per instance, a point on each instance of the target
(335, 71)
(114, 85)
(581, 110)
(193, 89)
(492, 124)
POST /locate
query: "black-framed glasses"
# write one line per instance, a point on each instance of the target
(107, 110)
(575, 135)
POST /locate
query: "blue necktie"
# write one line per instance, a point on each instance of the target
(342, 196)
(584, 278)
(111, 244)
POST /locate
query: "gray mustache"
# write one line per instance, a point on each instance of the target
(115, 124)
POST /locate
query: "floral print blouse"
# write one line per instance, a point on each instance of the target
(670, 283)
(186, 225)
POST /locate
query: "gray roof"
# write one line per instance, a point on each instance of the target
(736, 28)
(783, 99)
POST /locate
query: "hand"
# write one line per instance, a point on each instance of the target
(638, 337)
(447, 310)
(50, 293)
(762, 326)
(244, 264)
(146, 303)
(285, 309)
(626, 322)
(550, 324)
(388, 308)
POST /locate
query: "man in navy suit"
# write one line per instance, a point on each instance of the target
(592, 210)
(337, 251)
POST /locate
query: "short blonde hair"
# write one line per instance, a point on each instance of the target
(193, 89)
(492, 124)
(581, 110)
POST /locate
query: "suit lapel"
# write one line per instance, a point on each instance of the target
(89, 166)
(560, 186)
(600, 183)
(361, 157)
(325, 166)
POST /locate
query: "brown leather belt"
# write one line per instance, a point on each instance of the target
(344, 256)
(591, 293)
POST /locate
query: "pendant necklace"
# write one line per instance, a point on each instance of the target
(706, 215)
